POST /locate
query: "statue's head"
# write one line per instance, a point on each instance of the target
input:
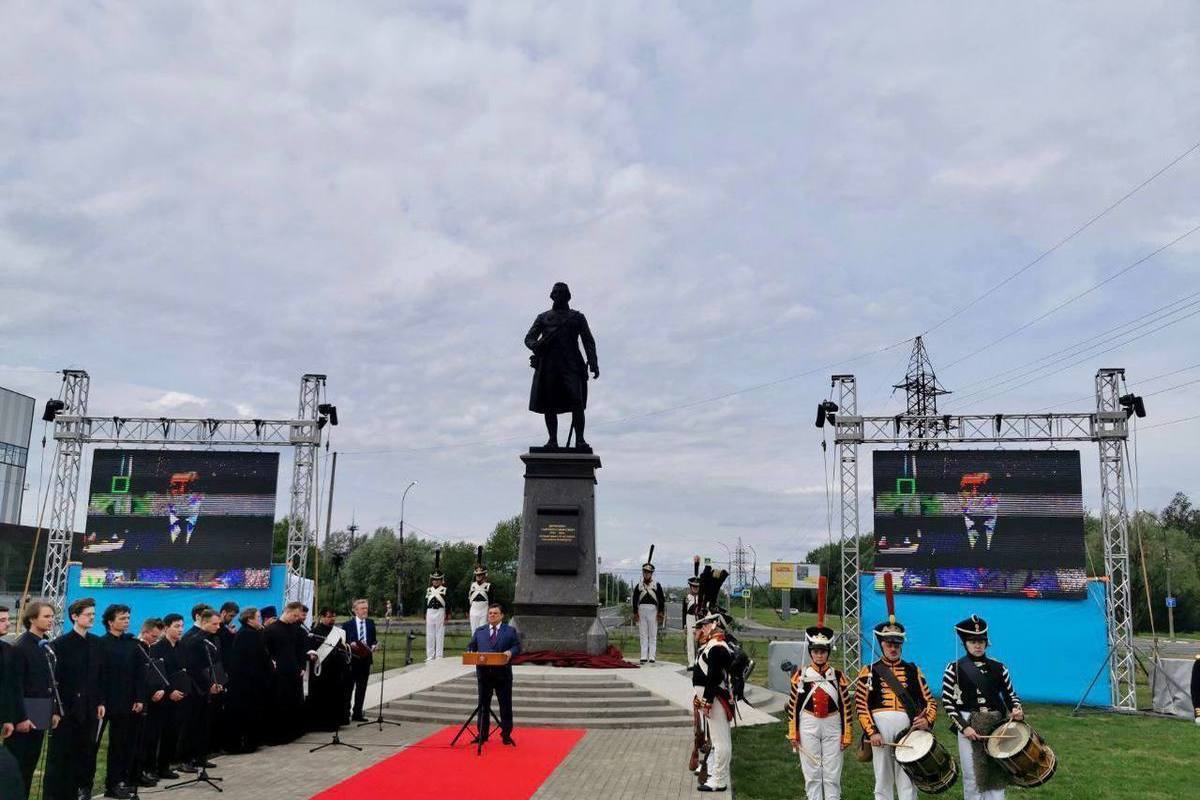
(560, 293)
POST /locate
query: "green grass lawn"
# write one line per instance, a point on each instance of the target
(1101, 756)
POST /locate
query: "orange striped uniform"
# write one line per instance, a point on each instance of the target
(875, 695)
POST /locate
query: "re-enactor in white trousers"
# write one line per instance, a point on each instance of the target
(722, 746)
(435, 619)
(821, 738)
(648, 630)
(966, 760)
(649, 602)
(889, 775)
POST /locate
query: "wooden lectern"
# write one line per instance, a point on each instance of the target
(484, 659)
(479, 660)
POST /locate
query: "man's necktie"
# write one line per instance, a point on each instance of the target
(493, 637)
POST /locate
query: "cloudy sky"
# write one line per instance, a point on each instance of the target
(201, 202)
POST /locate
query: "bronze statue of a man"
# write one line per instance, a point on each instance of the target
(559, 371)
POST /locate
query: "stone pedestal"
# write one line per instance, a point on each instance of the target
(556, 593)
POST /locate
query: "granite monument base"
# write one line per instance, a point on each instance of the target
(556, 599)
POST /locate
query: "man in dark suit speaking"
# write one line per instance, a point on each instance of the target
(495, 637)
(360, 637)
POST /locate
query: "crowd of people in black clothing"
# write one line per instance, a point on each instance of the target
(172, 697)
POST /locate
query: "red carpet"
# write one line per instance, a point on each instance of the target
(609, 659)
(431, 768)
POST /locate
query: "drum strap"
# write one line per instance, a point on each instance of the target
(985, 683)
(888, 677)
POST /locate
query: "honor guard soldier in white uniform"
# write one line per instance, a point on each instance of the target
(649, 608)
(711, 680)
(978, 696)
(691, 604)
(480, 593)
(891, 696)
(435, 610)
(819, 726)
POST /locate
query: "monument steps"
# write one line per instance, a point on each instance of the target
(583, 701)
(558, 698)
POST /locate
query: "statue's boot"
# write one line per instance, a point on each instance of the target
(551, 444)
(580, 444)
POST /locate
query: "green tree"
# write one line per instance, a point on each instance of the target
(829, 557)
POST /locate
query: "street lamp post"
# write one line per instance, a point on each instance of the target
(400, 569)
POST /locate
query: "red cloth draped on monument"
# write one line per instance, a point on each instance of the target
(609, 659)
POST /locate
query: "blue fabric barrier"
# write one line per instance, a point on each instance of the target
(1053, 648)
(154, 602)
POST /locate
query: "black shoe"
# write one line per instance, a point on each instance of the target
(146, 780)
(189, 768)
(652, 661)
(120, 792)
(168, 775)
(704, 787)
(359, 718)
(508, 740)
(642, 661)
(209, 765)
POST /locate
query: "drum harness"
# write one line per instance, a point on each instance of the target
(888, 677)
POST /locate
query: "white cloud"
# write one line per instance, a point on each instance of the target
(199, 204)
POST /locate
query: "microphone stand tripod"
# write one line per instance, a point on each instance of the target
(336, 741)
(202, 776)
(379, 720)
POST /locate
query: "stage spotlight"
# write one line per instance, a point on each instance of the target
(52, 409)
(825, 410)
(329, 411)
(1133, 404)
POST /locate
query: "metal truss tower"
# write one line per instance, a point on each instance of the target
(1111, 431)
(1107, 426)
(922, 390)
(68, 456)
(301, 532)
(73, 429)
(847, 465)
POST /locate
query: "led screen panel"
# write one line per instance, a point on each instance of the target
(180, 518)
(1000, 522)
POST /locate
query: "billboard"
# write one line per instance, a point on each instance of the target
(790, 575)
(180, 518)
(16, 424)
(1001, 522)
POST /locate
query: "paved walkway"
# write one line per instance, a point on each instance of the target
(615, 765)
(625, 765)
(290, 772)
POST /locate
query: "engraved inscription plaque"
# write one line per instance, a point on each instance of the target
(557, 549)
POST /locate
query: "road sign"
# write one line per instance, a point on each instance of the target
(1172, 602)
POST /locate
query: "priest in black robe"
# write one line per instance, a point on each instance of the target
(329, 679)
(287, 643)
(251, 678)
(79, 669)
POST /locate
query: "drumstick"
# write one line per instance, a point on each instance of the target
(800, 749)
(894, 744)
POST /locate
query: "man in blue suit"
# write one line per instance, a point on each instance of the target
(360, 629)
(495, 637)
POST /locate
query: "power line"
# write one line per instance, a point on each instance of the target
(648, 414)
(1170, 422)
(1072, 299)
(1066, 238)
(1054, 367)
(1091, 340)
(1141, 382)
